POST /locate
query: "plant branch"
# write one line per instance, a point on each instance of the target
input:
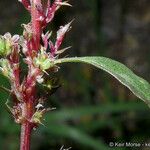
(29, 99)
(25, 136)
(36, 26)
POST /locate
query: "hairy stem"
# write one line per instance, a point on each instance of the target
(36, 27)
(25, 136)
(29, 101)
(26, 127)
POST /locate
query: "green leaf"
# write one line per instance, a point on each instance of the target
(137, 85)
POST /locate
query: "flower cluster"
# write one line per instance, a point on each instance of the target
(39, 53)
(9, 51)
(46, 10)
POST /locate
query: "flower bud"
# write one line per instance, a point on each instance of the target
(43, 64)
(6, 68)
(43, 61)
(8, 43)
(36, 118)
(5, 47)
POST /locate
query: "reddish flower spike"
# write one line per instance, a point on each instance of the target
(26, 4)
(60, 35)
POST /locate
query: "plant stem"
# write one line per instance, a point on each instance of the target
(36, 27)
(29, 101)
(26, 127)
(25, 136)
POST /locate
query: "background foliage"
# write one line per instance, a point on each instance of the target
(92, 107)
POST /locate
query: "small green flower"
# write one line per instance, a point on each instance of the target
(46, 64)
(7, 42)
(6, 68)
(43, 61)
(5, 47)
(36, 118)
(2, 46)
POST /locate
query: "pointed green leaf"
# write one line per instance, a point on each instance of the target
(137, 85)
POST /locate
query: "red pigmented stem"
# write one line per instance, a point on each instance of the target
(36, 25)
(29, 98)
(37, 59)
(25, 136)
(26, 127)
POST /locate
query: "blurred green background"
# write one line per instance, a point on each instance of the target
(93, 108)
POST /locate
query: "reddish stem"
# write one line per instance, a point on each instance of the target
(26, 127)
(29, 98)
(25, 136)
(36, 25)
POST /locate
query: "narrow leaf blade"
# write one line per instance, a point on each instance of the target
(139, 86)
